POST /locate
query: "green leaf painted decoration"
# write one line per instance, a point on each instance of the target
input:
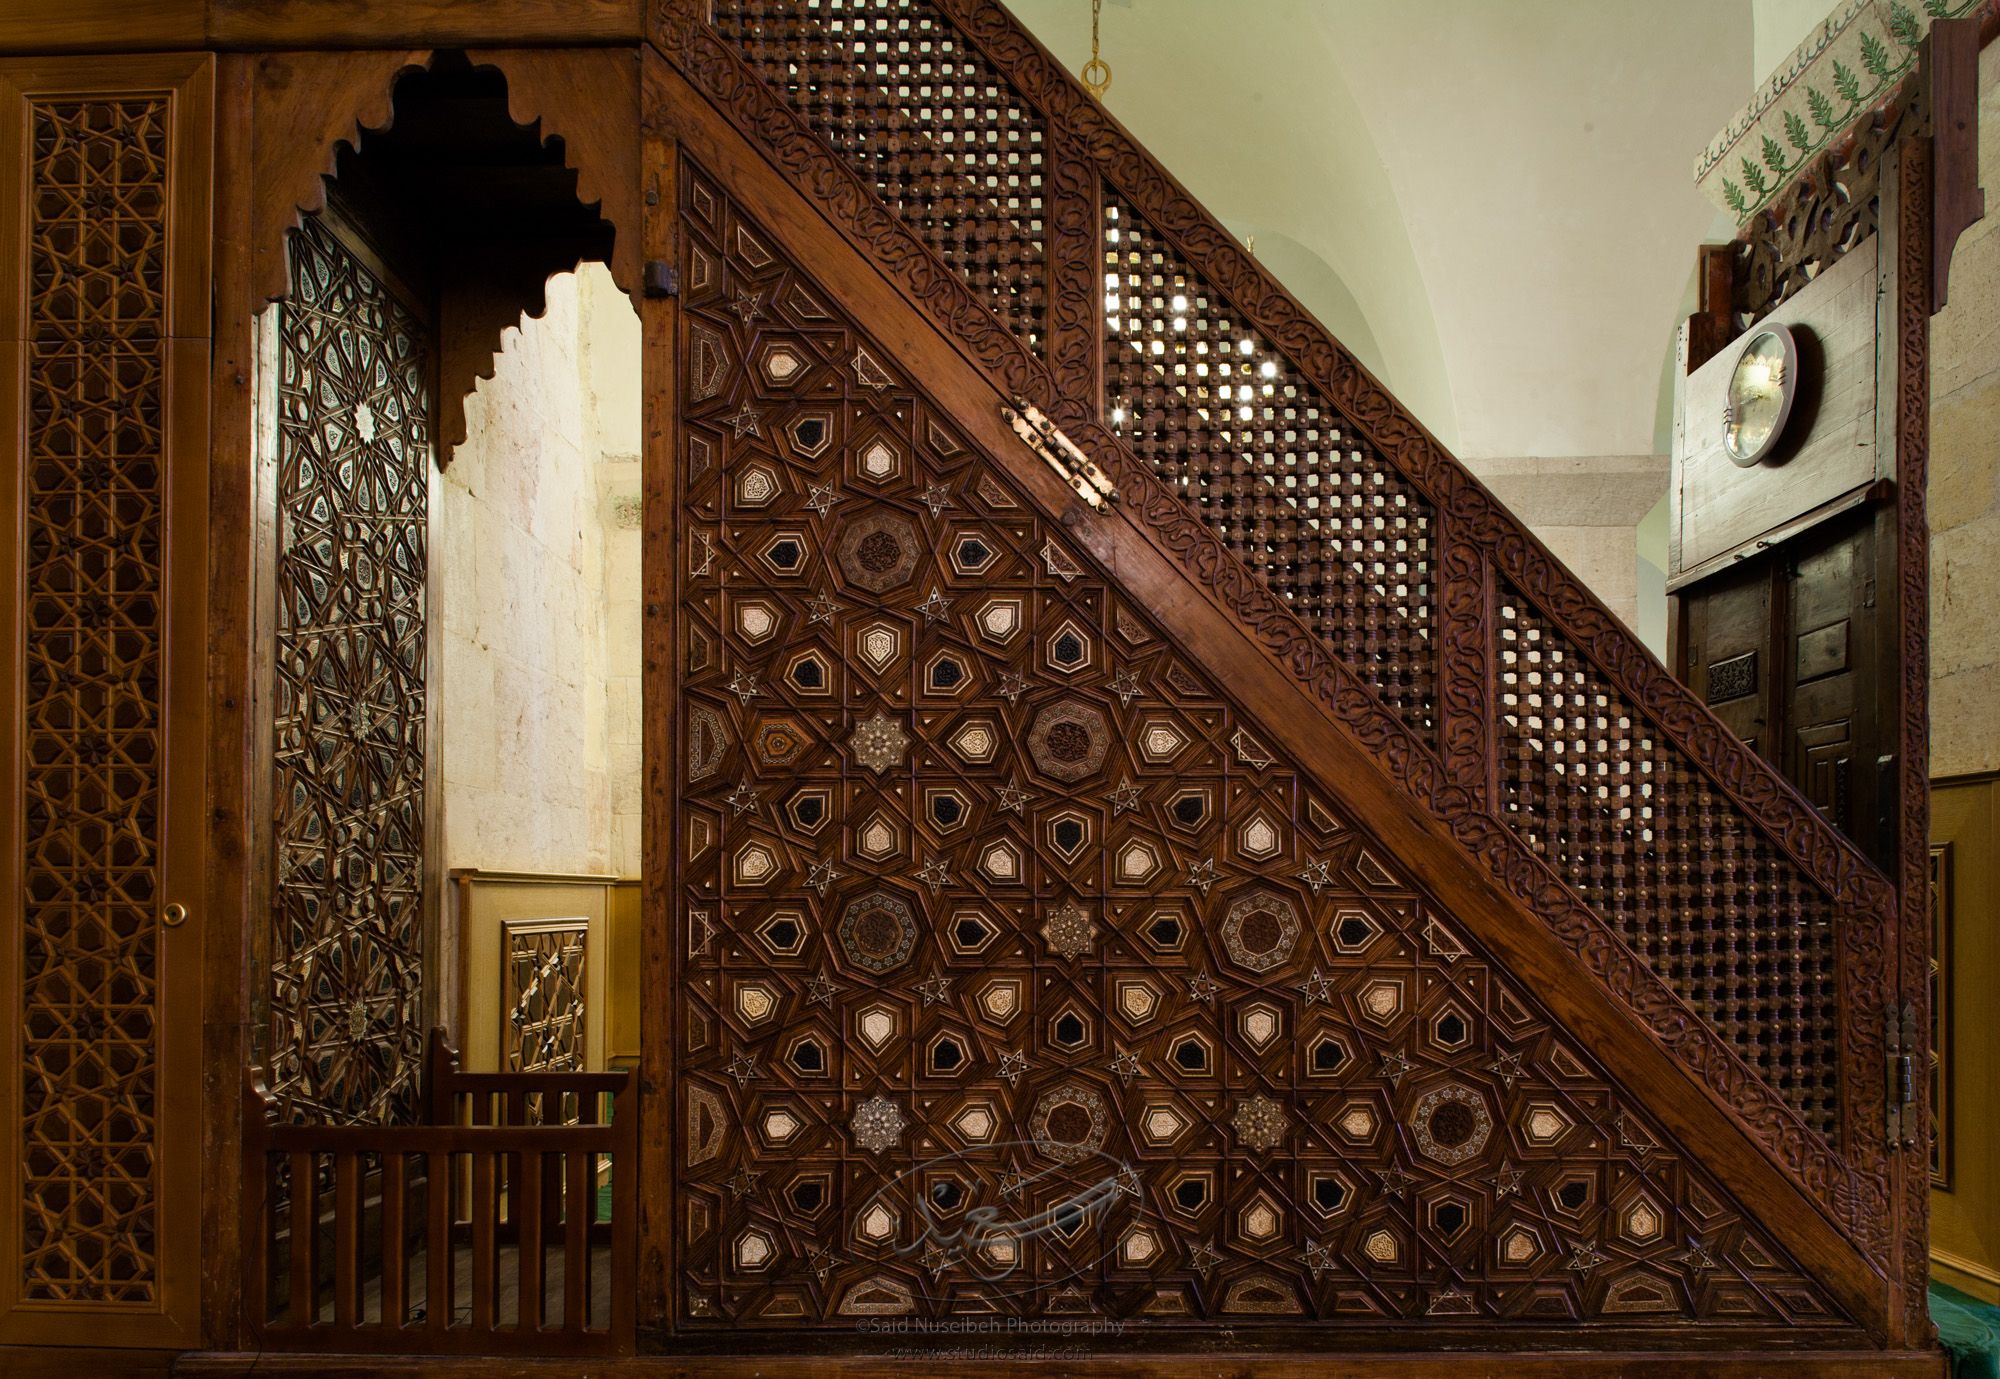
(1846, 83)
(1875, 57)
(1881, 38)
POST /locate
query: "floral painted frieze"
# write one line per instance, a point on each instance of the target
(1850, 66)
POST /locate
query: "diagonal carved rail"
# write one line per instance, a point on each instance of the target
(1680, 869)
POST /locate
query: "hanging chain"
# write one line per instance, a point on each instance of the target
(1096, 73)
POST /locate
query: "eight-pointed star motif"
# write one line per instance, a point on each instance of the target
(878, 1124)
(879, 742)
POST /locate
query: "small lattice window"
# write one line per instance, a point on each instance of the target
(1669, 862)
(941, 136)
(1223, 417)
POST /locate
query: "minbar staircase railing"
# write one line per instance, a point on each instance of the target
(1681, 869)
(505, 1224)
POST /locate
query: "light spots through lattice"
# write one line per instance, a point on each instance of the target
(1223, 417)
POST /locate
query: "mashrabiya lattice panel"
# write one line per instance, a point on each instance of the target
(944, 140)
(1670, 863)
(990, 901)
(94, 662)
(1221, 416)
(353, 475)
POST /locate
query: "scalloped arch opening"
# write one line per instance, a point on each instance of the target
(474, 178)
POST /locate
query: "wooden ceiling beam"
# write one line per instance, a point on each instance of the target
(136, 26)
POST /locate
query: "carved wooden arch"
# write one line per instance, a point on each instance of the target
(307, 106)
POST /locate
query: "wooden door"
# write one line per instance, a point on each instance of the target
(104, 319)
(1784, 648)
(1830, 689)
(1728, 654)
(353, 721)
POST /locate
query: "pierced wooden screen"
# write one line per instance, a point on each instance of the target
(353, 476)
(93, 747)
(1669, 862)
(948, 145)
(1201, 396)
(990, 901)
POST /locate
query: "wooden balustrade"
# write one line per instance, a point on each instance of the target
(485, 1231)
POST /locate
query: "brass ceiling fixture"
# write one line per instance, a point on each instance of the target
(1096, 73)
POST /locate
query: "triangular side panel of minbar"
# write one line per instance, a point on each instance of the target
(990, 899)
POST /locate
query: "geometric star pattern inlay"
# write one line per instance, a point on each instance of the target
(1288, 1086)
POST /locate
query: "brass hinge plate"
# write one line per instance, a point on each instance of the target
(1899, 1092)
(1077, 469)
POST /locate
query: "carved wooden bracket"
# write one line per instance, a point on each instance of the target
(1958, 201)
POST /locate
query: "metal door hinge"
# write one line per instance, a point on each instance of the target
(1899, 1044)
(1078, 470)
(662, 279)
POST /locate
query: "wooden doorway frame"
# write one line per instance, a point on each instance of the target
(281, 118)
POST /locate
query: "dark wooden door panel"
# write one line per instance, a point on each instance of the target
(1729, 655)
(1784, 649)
(1831, 690)
(1018, 976)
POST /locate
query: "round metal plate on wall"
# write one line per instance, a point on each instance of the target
(1763, 384)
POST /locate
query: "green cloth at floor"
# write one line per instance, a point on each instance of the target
(1969, 1330)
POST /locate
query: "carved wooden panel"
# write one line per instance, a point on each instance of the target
(1833, 208)
(1476, 541)
(347, 953)
(1019, 976)
(103, 486)
(542, 994)
(90, 812)
(944, 141)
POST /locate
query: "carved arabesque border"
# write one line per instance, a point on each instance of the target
(1913, 417)
(1854, 1189)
